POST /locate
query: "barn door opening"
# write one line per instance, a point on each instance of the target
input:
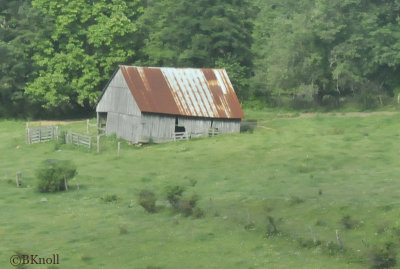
(102, 120)
(180, 131)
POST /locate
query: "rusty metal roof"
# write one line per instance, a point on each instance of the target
(183, 91)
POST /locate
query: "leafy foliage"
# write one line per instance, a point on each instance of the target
(382, 257)
(57, 55)
(201, 33)
(87, 42)
(174, 194)
(22, 30)
(53, 175)
(340, 48)
(183, 204)
(147, 200)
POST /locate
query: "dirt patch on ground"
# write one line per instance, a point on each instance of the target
(348, 114)
(49, 122)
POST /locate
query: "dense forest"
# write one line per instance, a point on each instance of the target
(56, 56)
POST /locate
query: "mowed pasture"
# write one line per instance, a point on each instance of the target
(266, 196)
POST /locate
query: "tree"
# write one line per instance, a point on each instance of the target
(22, 28)
(331, 48)
(88, 40)
(204, 33)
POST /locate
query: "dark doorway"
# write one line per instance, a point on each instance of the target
(179, 129)
(102, 121)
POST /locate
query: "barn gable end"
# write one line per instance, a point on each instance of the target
(118, 98)
(119, 110)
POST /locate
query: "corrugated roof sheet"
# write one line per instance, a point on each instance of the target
(183, 91)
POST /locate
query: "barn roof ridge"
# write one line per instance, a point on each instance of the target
(170, 67)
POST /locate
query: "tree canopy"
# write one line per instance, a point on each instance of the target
(58, 55)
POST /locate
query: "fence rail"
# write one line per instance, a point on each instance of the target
(41, 134)
(78, 139)
(213, 132)
(181, 136)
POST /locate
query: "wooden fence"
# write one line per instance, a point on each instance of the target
(185, 136)
(41, 134)
(213, 132)
(78, 139)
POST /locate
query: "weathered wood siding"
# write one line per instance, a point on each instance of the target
(159, 128)
(118, 98)
(226, 126)
(124, 126)
(195, 125)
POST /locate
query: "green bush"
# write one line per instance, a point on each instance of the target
(198, 213)
(186, 204)
(174, 194)
(248, 126)
(110, 198)
(183, 204)
(308, 243)
(295, 200)
(272, 230)
(349, 223)
(382, 257)
(332, 248)
(147, 200)
(53, 175)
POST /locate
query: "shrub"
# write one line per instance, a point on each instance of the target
(109, 198)
(271, 227)
(183, 204)
(332, 248)
(53, 175)
(295, 200)
(198, 213)
(174, 194)
(304, 168)
(123, 230)
(382, 257)
(248, 126)
(308, 243)
(250, 226)
(186, 204)
(147, 200)
(192, 182)
(349, 223)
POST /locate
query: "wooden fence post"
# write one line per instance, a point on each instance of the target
(65, 184)
(28, 136)
(119, 148)
(339, 240)
(87, 126)
(18, 179)
(98, 144)
(314, 239)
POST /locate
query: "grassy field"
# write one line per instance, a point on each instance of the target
(329, 172)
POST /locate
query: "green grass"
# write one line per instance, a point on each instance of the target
(328, 172)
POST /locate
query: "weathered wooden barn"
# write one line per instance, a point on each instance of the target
(142, 104)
